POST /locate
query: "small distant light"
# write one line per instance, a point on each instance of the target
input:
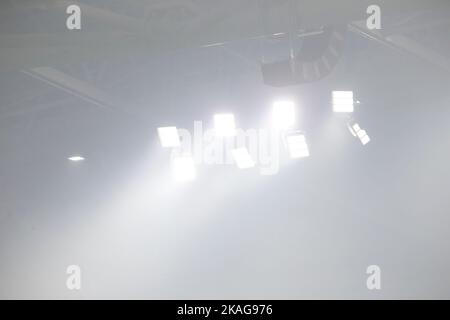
(283, 115)
(343, 101)
(297, 146)
(242, 158)
(183, 168)
(224, 125)
(76, 158)
(169, 137)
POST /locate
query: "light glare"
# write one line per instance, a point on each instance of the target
(76, 158)
(183, 168)
(169, 137)
(242, 158)
(224, 125)
(283, 114)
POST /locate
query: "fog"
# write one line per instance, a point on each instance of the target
(307, 232)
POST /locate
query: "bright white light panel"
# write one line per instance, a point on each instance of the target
(297, 146)
(362, 135)
(343, 101)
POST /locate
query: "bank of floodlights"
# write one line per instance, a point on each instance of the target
(283, 120)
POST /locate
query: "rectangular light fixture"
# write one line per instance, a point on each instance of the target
(363, 137)
(242, 158)
(183, 168)
(297, 146)
(361, 134)
(224, 125)
(283, 115)
(354, 128)
(169, 137)
(343, 101)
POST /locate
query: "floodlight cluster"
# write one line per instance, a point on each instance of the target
(283, 121)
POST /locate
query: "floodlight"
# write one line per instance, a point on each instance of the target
(183, 168)
(356, 131)
(297, 146)
(224, 125)
(242, 158)
(283, 114)
(363, 137)
(169, 137)
(343, 101)
(75, 158)
(354, 128)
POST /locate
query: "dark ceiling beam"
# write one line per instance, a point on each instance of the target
(73, 86)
